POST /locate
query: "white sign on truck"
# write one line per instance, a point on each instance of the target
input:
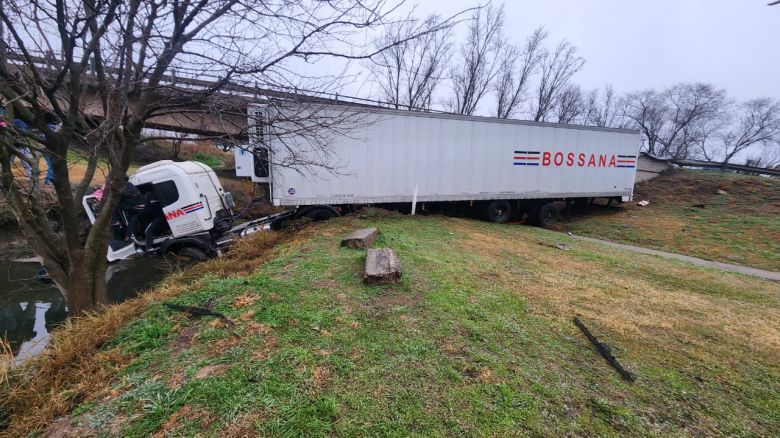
(503, 166)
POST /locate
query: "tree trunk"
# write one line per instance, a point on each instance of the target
(84, 285)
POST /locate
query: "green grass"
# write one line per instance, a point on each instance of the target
(688, 215)
(476, 339)
(212, 161)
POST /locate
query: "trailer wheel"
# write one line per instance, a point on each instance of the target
(320, 213)
(545, 215)
(499, 211)
(193, 253)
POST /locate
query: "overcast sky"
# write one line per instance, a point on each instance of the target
(636, 44)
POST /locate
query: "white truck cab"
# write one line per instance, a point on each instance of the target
(196, 209)
(190, 192)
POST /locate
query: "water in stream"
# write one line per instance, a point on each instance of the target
(30, 308)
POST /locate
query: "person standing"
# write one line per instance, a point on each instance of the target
(132, 204)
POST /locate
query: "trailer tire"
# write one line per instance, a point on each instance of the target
(545, 215)
(499, 211)
(193, 253)
(319, 213)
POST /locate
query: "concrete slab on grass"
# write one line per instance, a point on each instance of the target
(362, 238)
(382, 266)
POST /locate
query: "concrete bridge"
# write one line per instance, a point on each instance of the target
(195, 110)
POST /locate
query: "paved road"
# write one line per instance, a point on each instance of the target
(769, 275)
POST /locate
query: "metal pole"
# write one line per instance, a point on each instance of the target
(414, 201)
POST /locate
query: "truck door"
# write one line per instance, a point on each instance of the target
(117, 250)
(244, 160)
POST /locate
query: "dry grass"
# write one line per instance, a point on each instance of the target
(624, 298)
(6, 360)
(75, 368)
(183, 415)
(722, 217)
(190, 148)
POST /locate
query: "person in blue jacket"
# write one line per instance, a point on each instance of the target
(21, 125)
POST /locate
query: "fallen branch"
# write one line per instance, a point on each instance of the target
(197, 312)
(605, 351)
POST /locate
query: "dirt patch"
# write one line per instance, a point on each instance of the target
(220, 346)
(320, 376)
(246, 299)
(116, 425)
(176, 380)
(269, 345)
(183, 415)
(185, 339)
(256, 327)
(211, 371)
(448, 348)
(69, 427)
(243, 425)
(486, 376)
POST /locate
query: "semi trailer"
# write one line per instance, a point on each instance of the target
(500, 168)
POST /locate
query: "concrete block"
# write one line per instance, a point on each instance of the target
(382, 266)
(362, 238)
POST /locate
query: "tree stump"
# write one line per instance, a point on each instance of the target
(382, 266)
(361, 238)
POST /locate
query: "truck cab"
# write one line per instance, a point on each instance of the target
(195, 207)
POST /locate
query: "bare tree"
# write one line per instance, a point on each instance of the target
(647, 109)
(693, 112)
(103, 69)
(676, 121)
(570, 106)
(177, 144)
(515, 72)
(557, 69)
(409, 71)
(607, 109)
(481, 56)
(756, 122)
(769, 157)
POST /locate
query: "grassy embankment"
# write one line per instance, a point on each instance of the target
(477, 339)
(688, 215)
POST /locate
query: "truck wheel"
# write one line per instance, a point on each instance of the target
(499, 212)
(320, 213)
(546, 215)
(193, 253)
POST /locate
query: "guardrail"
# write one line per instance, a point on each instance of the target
(711, 165)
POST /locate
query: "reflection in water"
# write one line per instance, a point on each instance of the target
(30, 309)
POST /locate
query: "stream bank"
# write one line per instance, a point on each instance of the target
(31, 306)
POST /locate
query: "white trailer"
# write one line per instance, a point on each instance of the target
(503, 167)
